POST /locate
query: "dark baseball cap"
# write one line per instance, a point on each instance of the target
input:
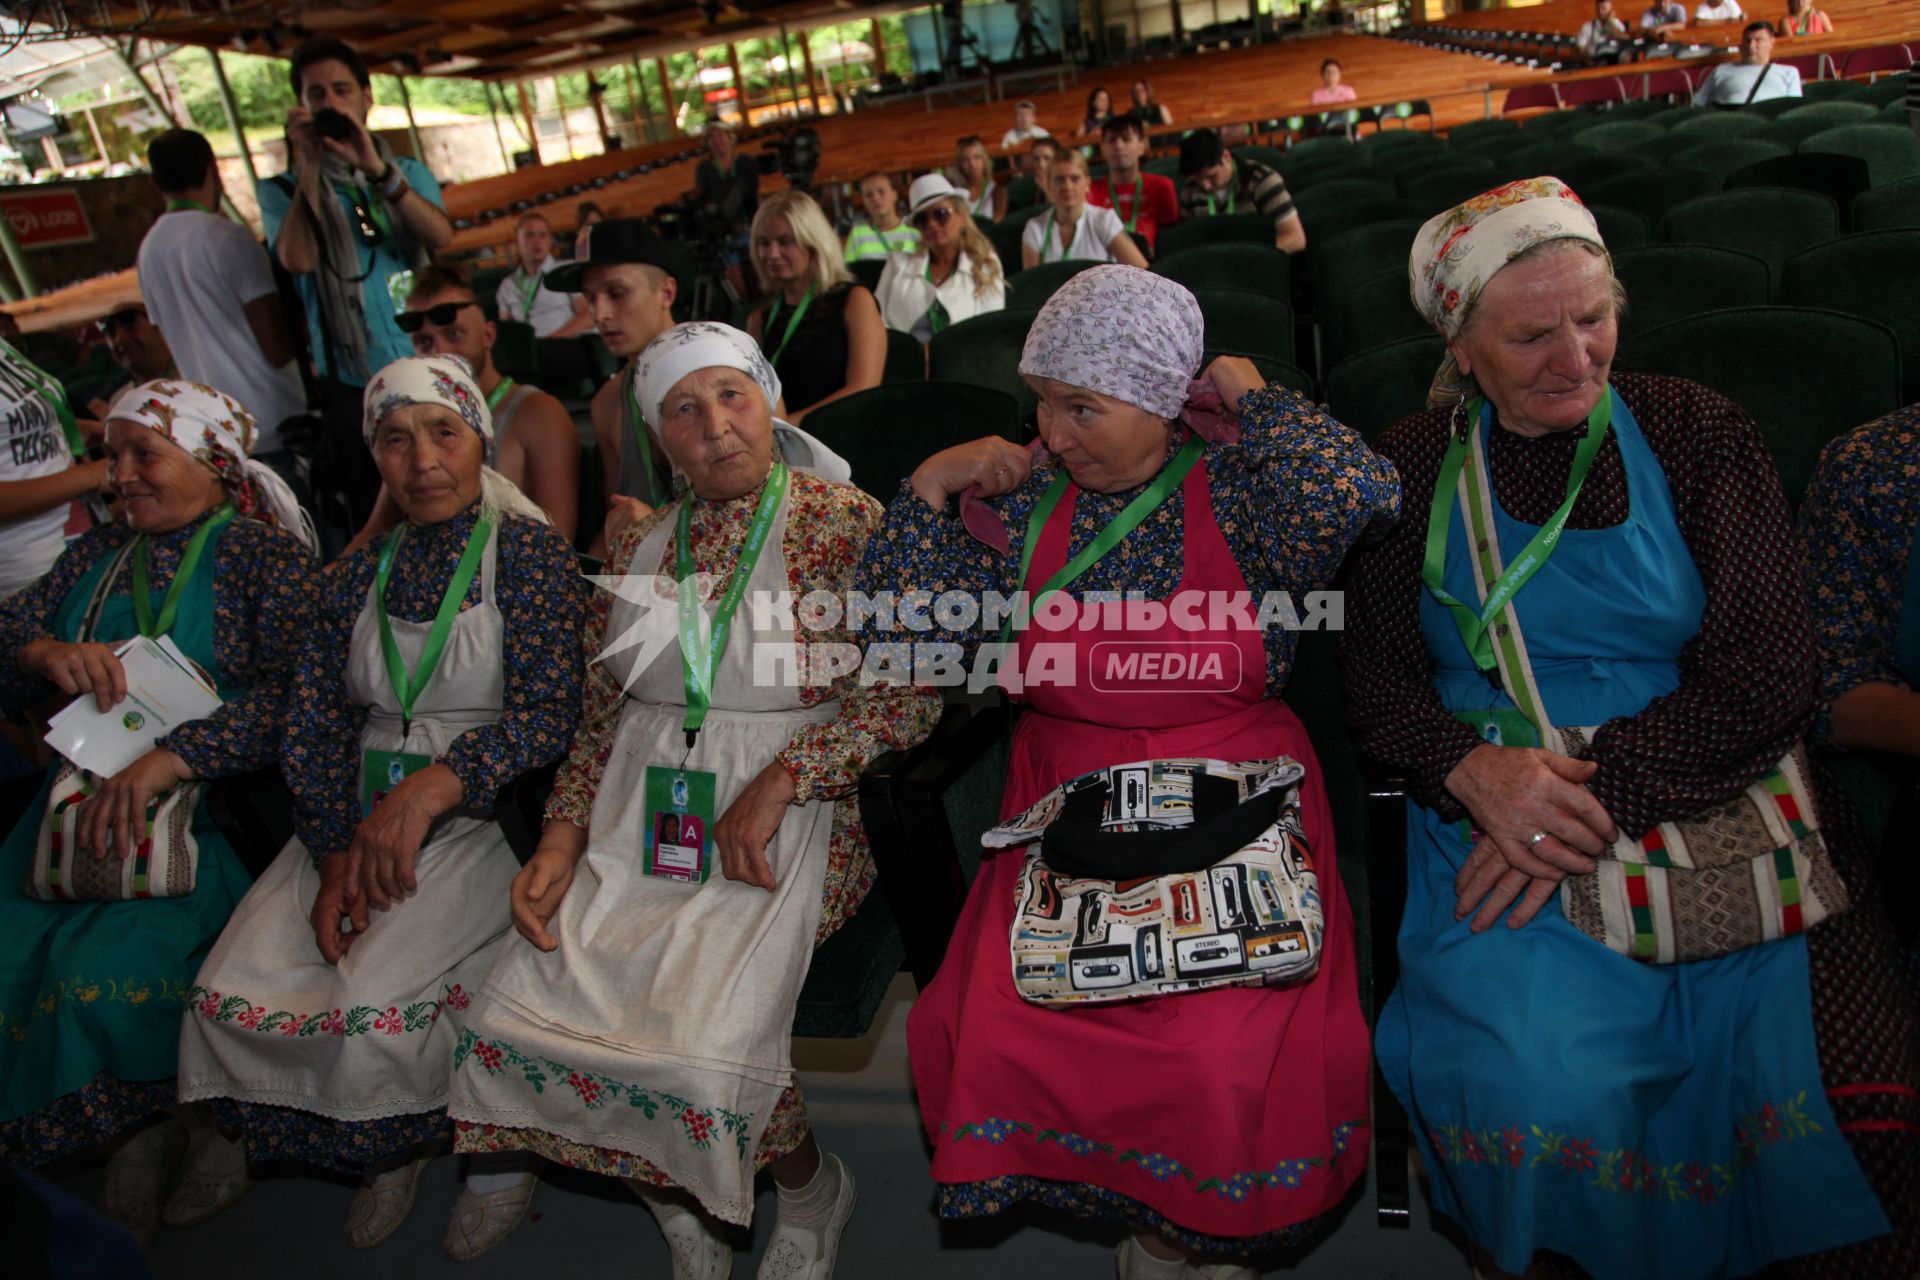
(1199, 150)
(606, 243)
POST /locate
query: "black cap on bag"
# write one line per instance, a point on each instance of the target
(606, 243)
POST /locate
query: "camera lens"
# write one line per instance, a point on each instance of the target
(330, 123)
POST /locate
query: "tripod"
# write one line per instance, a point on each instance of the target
(959, 40)
(1028, 42)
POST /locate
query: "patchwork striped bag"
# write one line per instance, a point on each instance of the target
(164, 862)
(1749, 870)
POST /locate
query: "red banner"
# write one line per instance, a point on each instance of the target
(47, 217)
(727, 94)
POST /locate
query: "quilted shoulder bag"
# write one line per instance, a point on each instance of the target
(1160, 877)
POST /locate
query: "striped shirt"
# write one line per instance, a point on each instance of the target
(868, 241)
(1253, 186)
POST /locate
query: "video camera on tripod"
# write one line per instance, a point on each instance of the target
(795, 155)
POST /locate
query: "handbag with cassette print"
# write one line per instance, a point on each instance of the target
(1160, 877)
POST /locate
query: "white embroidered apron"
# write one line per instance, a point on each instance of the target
(661, 1025)
(273, 1022)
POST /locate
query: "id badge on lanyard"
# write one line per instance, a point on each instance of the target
(679, 834)
(382, 771)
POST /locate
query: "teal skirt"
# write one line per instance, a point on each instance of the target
(91, 995)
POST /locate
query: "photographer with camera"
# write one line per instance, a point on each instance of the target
(729, 182)
(346, 219)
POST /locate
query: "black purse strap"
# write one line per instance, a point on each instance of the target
(1074, 844)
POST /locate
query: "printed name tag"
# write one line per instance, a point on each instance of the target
(382, 771)
(679, 835)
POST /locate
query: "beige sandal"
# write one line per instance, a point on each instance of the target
(379, 1207)
(214, 1177)
(479, 1222)
(137, 1177)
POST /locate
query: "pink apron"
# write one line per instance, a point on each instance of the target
(1230, 1113)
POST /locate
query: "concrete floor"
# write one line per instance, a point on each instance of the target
(858, 1092)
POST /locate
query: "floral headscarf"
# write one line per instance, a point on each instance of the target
(441, 380)
(1121, 332)
(447, 381)
(216, 429)
(702, 344)
(1457, 252)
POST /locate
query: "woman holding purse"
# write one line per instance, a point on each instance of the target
(91, 991)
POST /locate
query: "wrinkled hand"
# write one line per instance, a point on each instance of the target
(1513, 793)
(380, 861)
(744, 830)
(622, 514)
(77, 669)
(1233, 377)
(537, 891)
(113, 819)
(997, 465)
(329, 908)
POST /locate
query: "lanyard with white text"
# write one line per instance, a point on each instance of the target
(54, 394)
(408, 686)
(1108, 538)
(773, 314)
(700, 659)
(499, 393)
(1133, 214)
(527, 294)
(154, 627)
(1474, 625)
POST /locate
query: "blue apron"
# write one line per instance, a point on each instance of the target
(1910, 616)
(91, 989)
(1652, 1122)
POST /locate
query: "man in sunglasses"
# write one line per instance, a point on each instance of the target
(210, 288)
(535, 443)
(138, 347)
(346, 219)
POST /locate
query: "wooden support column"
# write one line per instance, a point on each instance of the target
(526, 111)
(493, 113)
(637, 101)
(666, 93)
(739, 84)
(806, 56)
(231, 105)
(413, 130)
(879, 50)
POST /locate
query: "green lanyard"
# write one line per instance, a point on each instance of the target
(1046, 241)
(178, 204)
(1139, 184)
(937, 313)
(499, 393)
(1108, 538)
(407, 686)
(1233, 189)
(640, 442)
(54, 394)
(527, 293)
(773, 314)
(697, 659)
(1474, 625)
(150, 626)
(376, 207)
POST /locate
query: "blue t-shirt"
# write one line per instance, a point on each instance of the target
(385, 342)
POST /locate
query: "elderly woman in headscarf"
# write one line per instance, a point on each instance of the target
(93, 973)
(702, 838)
(437, 664)
(1623, 1030)
(1217, 1122)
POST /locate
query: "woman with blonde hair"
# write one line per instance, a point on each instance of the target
(973, 171)
(955, 276)
(1072, 228)
(820, 330)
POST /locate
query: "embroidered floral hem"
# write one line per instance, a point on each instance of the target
(81, 1120)
(1086, 1200)
(131, 992)
(347, 1146)
(1622, 1170)
(696, 1124)
(1236, 1186)
(358, 1021)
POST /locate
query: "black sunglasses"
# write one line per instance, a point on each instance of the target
(940, 213)
(410, 321)
(125, 318)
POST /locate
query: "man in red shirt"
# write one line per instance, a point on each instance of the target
(1145, 202)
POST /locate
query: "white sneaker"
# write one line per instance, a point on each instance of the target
(1131, 1262)
(479, 1222)
(379, 1207)
(137, 1177)
(802, 1253)
(214, 1177)
(700, 1252)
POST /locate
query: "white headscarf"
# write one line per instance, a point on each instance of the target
(447, 381)
(705, 344)
(214, 427)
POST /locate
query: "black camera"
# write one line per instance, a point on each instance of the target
(797, 155)
(329, 123)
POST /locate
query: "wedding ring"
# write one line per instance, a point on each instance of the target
(1536, 838)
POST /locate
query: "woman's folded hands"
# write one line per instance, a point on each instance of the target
(1536, 823)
